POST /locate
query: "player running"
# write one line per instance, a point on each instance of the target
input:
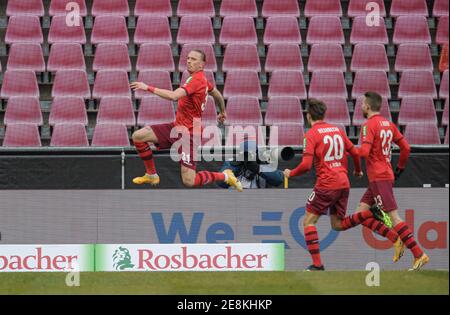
(191, 99)
(377, 135)
(327, 145)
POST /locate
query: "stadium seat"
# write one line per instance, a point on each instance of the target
(417, 83)
(22, 135)
(337, 111)
(358, 118)
(359, 8)
(284, 110)
(155, 57)
(154, 110)
(243, 110)
(19, 83)
(155, 8)
(196, 29)
(280, 8)
(24, 29)
(59, 7)
(66, 56)
(23, 110)
(69, 135)
(110, 7)
(60, 32)
(443, 90)
(71, 83)
(327, 84)
(413, 57)
(156, 78)
(442, 31)
(68, 110)
(111, 56)
(325, 29)
(241, 57)
(282, 30)
(208, 74)
(238, 8)
(408, 7)
(411, 29)
(323, 8)
(416, 110)
(209, 115)
(197, 7)
(111, 83)
(440, 8)
(446, 137)
(110, 135)
(211, 63)
(25, 7)
(363, 33)
(422, 133)
(287, 83)
(283, 57)
(242, 83)
(371, 80)
(238, 30)
(116, 110)
(235, 135)
(445, 114)
(369, 57)
(26, 56)
(286, 135)
(152, 29)
(109, 29)
(325, 57)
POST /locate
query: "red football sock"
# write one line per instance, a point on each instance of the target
(407, 238)
(355, 219)
(312, 242)
(146, 154)
(204, 178)
(381, 229)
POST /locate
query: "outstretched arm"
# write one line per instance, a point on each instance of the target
(166, 94)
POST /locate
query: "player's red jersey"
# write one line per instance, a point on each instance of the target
(329, 146)
(379, 133)
(192, 105)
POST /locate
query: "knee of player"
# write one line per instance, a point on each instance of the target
(188, 182)
(136, 136)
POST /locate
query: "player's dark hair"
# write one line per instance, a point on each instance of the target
(201, 52)
(374, 100)
(316, 109)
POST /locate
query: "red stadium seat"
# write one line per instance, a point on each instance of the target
(110, 7)
(327, 84)
(337, 111)
(71, 83)
(413, 57)
(238, 30)
(152, 29)
(197, 7)
(26, 56)
(282, 30)
(106, 135)
(155, 57)
(111, 56)
(325, 57)
(323, 8)
(369, 57)
(111, 83)
(363, 33)
(155, 8)
(286, 135)
(60, 32)
(109, 29)
(236, 8)
(23, 110)
(443, 91)
(69, 135)
(116, 110)
(209, 115)
(287, 83)
(66, 56)
(19, 83)
(417, 109)
(422, 133)
(208, 74)
(196, 29)
(358, 118)
(284, 110)
(445, 114)
(325, 29)
(440, 8)
(360, 8)
(283, 57)
(371, 80)
(243, 110)
(241, 57)
(411, 29)
(442, 31)
(156, 78)
(280, 8)
(409, 7)
(211, 63)
(24, 29)
(68, 110)
(25, 7)
(446, 137)
(22, 135)
(154, 111)
(59, 7)
(417, 83)
(242, 83)
(235, 135)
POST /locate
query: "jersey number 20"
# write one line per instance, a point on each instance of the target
(336, 148)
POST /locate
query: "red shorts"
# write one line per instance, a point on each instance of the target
(381, 193)
(324, 201)
(186, 151)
